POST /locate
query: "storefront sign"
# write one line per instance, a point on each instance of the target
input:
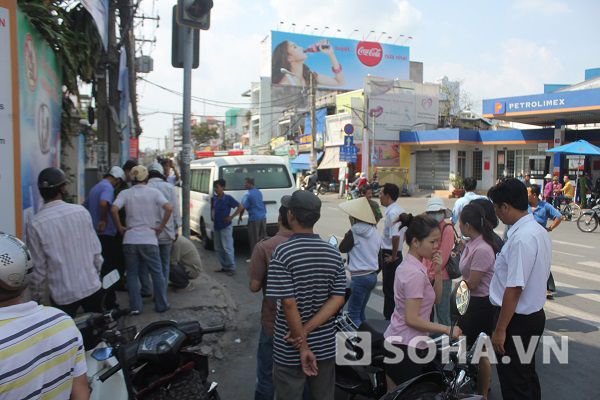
(387, 154)
(7, 133)
(542, 146)
(589, 98)
(133, 147)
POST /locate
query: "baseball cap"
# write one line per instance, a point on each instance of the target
(139, 173)
(302, 203)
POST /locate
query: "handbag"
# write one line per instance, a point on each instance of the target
(453, 264)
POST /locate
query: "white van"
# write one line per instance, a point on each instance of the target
(271, 176)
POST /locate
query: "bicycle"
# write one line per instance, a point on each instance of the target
(570, 210)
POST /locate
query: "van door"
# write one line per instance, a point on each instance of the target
(200, 193)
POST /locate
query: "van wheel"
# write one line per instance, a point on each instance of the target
(208, 244)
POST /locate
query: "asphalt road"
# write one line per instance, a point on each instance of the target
(574, 313)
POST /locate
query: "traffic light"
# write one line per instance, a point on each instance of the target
(194, 13)
(177, 49)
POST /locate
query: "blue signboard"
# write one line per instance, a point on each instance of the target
(348, 140)
(576, 100)
(348, 154)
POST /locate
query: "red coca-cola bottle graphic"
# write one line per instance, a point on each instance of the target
(317, 47)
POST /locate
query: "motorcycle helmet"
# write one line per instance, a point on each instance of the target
(156, 167)
(117, 173)
(51, 178)
(139, 173)
(15, 266)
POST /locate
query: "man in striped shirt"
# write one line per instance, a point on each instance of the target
(41, 350)
(65, 250)
(307, 277)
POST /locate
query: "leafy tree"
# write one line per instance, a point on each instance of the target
(202, 134)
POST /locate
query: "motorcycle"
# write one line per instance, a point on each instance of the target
(456, 380)
(154, 364)
(589, 220)
(322, 188)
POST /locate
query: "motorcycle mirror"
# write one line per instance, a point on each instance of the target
(110, 279)
(333, 241)
(102, 354)
(459, 299)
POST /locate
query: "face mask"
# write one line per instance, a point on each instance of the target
(439, 217)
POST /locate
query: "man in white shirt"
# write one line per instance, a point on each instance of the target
(65, 250)
(518, 290)
(145, 222)
(470, 184)
(168, 165)
(166, 238)
(391, 244)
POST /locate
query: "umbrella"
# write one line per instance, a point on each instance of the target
(580, 147)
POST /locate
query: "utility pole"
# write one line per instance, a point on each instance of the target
(313, 123)
(188, 54)
(114, 139)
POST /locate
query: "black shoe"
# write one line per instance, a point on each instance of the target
(146, 296)
(164, 310)
(222, 270)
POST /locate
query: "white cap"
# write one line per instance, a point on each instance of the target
(156, 167)
(139, 173)
(435, 204)
(359, 209)
(117, 173)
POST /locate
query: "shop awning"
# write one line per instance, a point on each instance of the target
(302, 162)
(332, 159)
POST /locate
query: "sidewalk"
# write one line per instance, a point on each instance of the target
(210, 304)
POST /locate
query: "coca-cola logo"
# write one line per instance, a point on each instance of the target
(369, 53)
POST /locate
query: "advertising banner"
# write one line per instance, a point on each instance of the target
(336, 62)
(7, 131)
(387, 154)
(404, 105)
(40, 101)
(576, 100)
(99, 11)
(133, 147)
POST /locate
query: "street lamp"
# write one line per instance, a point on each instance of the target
(356, 30)
(307, 26)
(369, 35)
(398, 39)
(406, 40)
(338, 31)
(382, 33)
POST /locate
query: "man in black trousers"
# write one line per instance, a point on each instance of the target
(518, 291)
(391, 244)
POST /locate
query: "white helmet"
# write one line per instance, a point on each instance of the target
(156, 167)
(15, 266)
(117, 173)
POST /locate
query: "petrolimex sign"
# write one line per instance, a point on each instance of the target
(577, 100)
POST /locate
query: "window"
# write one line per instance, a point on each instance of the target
(478, 165)
(200, 181)
(462, 163)
(266, 176)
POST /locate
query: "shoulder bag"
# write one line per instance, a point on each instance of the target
(453, 264)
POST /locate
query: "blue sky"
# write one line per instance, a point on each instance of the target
(506, 48)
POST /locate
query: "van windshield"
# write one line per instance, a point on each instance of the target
(266, 176)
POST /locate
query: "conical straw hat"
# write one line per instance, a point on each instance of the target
(359, 209)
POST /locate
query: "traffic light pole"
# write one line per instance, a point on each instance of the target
(187, 105)
(313, 123)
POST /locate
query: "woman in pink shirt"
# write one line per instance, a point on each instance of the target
(477, 268)
(414, 297)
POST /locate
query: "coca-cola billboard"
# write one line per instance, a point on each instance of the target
(369, 53)
(336, 63)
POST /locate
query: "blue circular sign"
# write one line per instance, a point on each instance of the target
(348, 129)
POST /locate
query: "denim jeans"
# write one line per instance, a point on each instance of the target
(442, 310)
(361, 287)
(147, 255)
(165, 258)
(223, 239)
(264, 368)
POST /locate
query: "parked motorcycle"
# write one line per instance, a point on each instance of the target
(456, 380)
(156, 364)
(589, 220)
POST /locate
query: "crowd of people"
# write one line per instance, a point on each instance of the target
(130, 222)
(302, 279)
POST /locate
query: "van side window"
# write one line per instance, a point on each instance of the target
(267, 176)
(194, 180)
(204, 185)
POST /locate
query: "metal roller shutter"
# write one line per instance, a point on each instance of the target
(433, 169)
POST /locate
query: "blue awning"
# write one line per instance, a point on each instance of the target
(302, 162)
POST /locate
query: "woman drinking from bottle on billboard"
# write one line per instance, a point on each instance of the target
(289, 68)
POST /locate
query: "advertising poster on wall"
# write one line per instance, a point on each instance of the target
(337, 62)
(397, 105)
(387, 154)
(40, 112)
(7, 156)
